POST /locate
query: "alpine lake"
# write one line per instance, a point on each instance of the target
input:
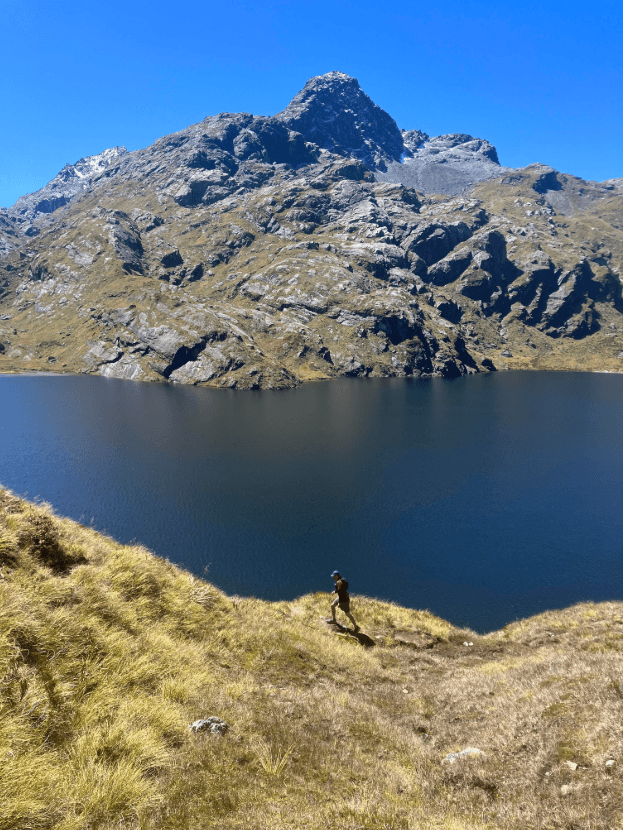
(483, 499)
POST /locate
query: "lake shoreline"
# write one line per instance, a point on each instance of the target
(305, 381)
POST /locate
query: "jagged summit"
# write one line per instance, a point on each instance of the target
(333, 112)
(71, 180)
(87, 168)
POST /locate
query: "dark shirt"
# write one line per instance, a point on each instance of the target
(341, 589)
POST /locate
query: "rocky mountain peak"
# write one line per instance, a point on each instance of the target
(334, 112)
(91, 166)
(72, 179)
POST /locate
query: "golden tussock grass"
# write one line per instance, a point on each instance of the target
(108, 653)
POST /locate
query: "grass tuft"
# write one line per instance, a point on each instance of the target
(273, 761)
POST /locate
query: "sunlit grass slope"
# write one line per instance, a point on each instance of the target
(108, 653)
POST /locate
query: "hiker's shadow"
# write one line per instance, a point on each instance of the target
(362, 638)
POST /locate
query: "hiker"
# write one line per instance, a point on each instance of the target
(342, 600)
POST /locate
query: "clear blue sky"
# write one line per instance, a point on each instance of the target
(543, 81)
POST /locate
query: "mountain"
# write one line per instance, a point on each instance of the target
(261, 252)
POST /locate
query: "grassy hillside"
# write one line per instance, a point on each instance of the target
(108, 653)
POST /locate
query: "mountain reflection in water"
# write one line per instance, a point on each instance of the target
(483, 499)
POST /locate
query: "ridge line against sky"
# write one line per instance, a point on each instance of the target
(543, 83)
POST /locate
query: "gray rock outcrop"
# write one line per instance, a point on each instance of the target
(447, 164)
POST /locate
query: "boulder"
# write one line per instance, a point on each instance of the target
(214, 725)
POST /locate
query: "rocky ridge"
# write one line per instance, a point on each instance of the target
(72, 180)
(260, 252)
(447, 164)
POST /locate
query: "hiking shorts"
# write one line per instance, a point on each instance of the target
(344, 606)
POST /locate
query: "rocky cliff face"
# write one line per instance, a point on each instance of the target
(259, 252)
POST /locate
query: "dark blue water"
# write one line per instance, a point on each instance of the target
(482, 499)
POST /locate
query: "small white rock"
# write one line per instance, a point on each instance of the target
(571, 764)
(566, 789)
(467, 644)
(470, 752)
(610, 765)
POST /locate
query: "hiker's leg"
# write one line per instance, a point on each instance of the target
(334, 606)
(351, 618)
(345, 607)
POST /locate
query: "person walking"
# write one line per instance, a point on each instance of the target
(342, 600)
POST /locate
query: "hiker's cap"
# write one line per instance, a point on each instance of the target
(335, 573)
